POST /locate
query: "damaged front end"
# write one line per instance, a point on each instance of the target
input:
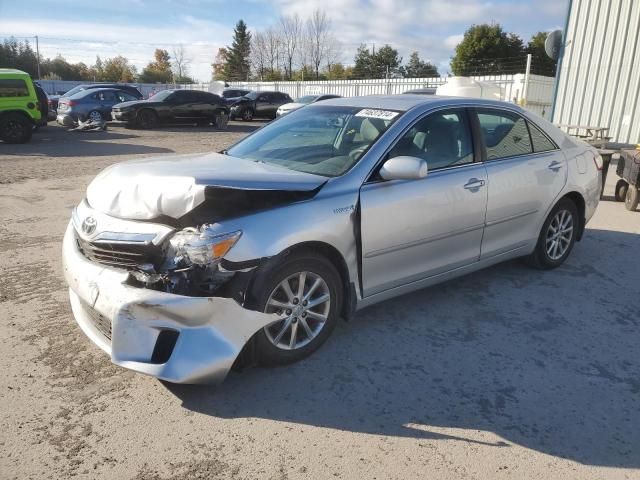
(160, 301)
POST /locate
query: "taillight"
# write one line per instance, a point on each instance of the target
(597, 159)
(71, 103)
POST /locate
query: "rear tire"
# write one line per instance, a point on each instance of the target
(94, 116)
(632, 198)
(15, 128)
(621, 190)
(557, 236)
(304, 326)
(146, 119)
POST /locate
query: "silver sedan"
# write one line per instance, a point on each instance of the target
(182, 267)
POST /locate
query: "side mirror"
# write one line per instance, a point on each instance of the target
(404, 168)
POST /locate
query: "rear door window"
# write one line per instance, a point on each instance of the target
(505, 134)
(13, 88)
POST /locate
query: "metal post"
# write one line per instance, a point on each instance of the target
(525, 88)
(38, 56)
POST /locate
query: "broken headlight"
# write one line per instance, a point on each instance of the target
(199, 246)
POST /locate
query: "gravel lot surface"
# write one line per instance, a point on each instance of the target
(507, 373)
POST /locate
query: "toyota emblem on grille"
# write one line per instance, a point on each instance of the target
(89, 225)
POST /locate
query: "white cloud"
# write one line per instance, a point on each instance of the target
(452, 41)
(82, 41)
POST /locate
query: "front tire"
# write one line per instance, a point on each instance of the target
(15, 128)
(621, 190)
(247, 114)
(146, 119)
(632, 198)
(557, 236)
(305, 290)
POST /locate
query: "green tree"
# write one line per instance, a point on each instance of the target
(386, 62)
(417, 68)
(363, 63)
(118, 69)
(238, 66)
(540, 62)
(158, 71)
(488, 50)
(20, 55)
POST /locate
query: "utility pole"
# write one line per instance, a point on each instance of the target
(38, 56)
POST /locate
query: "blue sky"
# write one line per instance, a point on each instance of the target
(80, 30)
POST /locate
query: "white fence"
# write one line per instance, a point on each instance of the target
(539, 93)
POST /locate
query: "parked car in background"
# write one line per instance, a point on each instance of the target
(92, 104)
(174, 106)
(176, 265)
(234, 92)
(130, 89)
(43, 104)
(301, 102)
(421, 91)
(258, 105)
(19, 106)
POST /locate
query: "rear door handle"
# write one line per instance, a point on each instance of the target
(555, 166)
(474, 184)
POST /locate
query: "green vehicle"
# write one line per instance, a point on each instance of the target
(19, 109)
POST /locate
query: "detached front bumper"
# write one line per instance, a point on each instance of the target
(209, 332)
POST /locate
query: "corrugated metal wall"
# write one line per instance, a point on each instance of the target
(599, 83)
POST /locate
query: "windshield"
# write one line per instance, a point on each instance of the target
(161, 95)
(324, 140)
(307, 99)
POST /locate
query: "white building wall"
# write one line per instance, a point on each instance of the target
(599, 82)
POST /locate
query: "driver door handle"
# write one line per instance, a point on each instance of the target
(474, 184)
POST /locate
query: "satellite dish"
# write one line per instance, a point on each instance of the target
(553, 43)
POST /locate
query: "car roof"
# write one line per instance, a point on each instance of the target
(407, 101)
(12, 71)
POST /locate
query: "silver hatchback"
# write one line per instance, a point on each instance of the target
(181, 267)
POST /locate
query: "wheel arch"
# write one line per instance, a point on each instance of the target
(22, 113)
(579, 202)
(333, 255)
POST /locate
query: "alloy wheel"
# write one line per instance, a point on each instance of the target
(559, 234)
(302, 301)
(95, 116)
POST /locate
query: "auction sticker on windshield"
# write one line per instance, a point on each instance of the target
(374, 113)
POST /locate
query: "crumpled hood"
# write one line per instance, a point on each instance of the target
(174, 185)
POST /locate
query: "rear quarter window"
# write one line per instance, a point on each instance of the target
(541, 143)
(13, 88)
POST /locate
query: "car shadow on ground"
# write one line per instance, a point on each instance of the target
(547, 360)
(56, 141)
(232, 127)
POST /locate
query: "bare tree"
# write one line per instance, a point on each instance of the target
(274, 50)
(318, 35)
(180, 62)
(259, 54)
(291, 27)
(333, 51)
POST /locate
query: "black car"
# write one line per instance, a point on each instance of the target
(173, 106)
(234, 92)
(258, 104)
(130, 89)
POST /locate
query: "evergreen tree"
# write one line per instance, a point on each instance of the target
(237, 66)
(417, 68)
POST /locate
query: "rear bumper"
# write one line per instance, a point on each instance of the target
(65, 120)
(210, 331)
